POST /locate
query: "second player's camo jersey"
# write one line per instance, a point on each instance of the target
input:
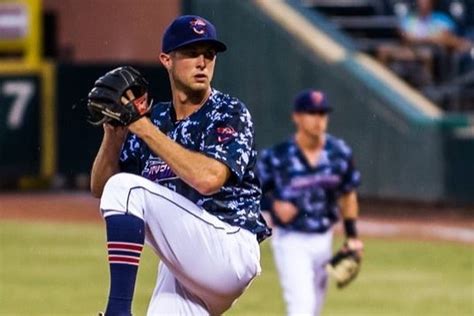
(221, 129)
(286, 175)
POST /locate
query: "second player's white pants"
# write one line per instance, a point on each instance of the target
(300, 259)
(206, 264)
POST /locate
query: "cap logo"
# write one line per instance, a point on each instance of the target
(198, 26)
(317, 97)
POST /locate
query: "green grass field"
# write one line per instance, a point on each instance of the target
(61, 269)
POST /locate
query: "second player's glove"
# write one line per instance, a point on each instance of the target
(344, 266)
(120, 97)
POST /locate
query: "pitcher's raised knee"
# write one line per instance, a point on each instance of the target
(121, 181)
(116, 196)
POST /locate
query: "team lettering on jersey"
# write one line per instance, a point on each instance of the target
(157, 170)
(324, 181)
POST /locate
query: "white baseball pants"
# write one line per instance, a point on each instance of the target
(300, 259)
(206, 264)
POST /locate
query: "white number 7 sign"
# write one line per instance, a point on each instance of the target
(22, 91)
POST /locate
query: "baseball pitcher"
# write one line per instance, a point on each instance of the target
(179, 177)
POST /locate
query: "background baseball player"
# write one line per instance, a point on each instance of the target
(308, 181)
(182, 181)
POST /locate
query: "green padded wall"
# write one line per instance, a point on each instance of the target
(402, 153)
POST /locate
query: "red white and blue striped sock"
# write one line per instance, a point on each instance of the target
(125, 239)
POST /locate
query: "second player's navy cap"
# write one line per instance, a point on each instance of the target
(188, 29)
(311, 101)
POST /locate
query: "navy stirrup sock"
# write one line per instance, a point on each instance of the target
(125, 239)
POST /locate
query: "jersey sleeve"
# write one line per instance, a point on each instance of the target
(350, 177)
(129, 160)
(266, 177)
(230, 140)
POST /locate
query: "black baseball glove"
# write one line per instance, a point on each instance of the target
(344, 266)
(120, 97)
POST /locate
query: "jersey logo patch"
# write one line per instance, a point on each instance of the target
(225, 133)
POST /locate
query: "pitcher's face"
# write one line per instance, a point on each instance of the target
(191, 67)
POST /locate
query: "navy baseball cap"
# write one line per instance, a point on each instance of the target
(311, 101)
(188, 29)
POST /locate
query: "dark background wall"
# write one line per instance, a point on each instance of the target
(78, 141)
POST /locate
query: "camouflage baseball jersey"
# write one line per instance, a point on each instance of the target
(286, 175)
(221, 129)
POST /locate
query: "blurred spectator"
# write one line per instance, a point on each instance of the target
(428, 39)
(431, 27)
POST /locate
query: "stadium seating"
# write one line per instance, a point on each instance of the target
(371, 23)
